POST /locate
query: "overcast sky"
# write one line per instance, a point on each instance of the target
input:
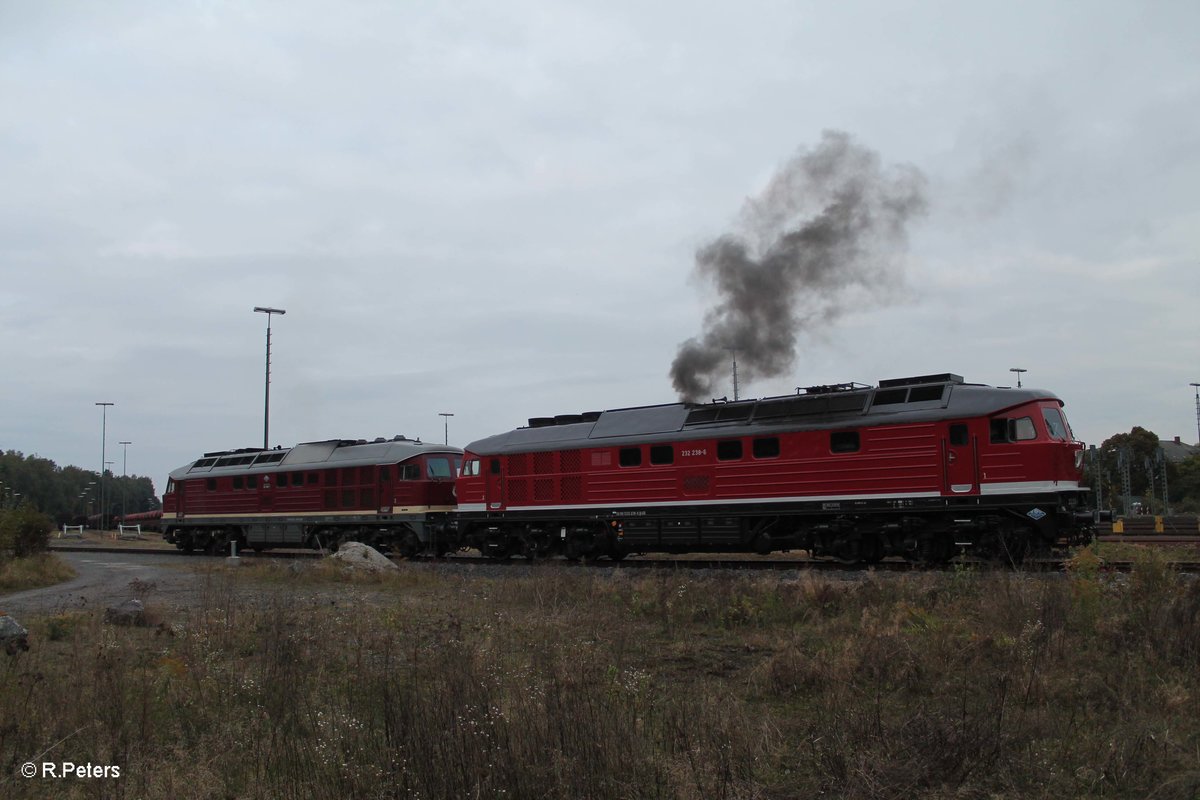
(494, 209)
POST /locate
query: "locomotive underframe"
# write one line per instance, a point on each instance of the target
(930, 530)
(404, 534)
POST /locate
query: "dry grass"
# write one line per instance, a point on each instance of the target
(44, 569)
(570, 684)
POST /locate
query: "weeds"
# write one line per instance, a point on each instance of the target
(32, 572)
(286, 683)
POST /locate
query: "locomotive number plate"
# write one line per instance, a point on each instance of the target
(700, 452)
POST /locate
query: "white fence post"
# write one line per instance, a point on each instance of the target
(123, 531)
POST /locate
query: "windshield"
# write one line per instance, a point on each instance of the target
(1056, 424)
(438, 467)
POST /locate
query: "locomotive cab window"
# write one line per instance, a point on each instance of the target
(409, 472)
(844, 442)
(767, 447)
(438, 467)
(630, 457)
(662, 454)
(470, 467)
(729, 450)
(999, 430)
(1056, 425)
(1022, 430)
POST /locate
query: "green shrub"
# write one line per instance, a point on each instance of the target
(24, 532)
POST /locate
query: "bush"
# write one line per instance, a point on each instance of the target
(24, 532)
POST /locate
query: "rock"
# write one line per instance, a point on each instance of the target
(360, 556)
(131, 612)
(13, 636)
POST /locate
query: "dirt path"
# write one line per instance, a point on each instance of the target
(105, 579)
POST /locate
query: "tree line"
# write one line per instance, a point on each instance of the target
(1156, 484)
(69, 494)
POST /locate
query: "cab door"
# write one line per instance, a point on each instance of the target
(958, 449)
(495, 484)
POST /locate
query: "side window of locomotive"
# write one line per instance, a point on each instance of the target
(729, 450)
(170, 486)
(999, 430)
(409, 472)
(385, 473)
(844, 442)
(958, 434)
(238, 482)
(767, 447)
(470, 468)
(1022, 430)
(1056, 424)
(210, 484)
(494, 466)
(438, 467)
(251, 481)
(457, 465)
(281, 481)
(630, 457)
(662, 454)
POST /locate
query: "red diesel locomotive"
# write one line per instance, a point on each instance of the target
(395, 494)
(923, 467)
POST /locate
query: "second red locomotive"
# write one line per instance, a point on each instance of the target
(394, 494)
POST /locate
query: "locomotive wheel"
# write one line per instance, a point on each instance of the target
(871, 548)
(933, 549)
(409, 545)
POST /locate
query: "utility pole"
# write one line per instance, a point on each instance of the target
(1123, 467)
(1197, 388)
(1162, 462)
(446, 415)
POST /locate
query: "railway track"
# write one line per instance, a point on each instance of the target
(757, 564)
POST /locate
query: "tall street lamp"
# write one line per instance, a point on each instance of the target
(103, 441)
(1018, 370)
(267, 383)
(124, 466)
(446, 419)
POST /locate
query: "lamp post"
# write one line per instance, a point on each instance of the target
(446, 415)
(103, 441)
(1018, 370)
(267, 380)
(124, 466)
(1196, 386)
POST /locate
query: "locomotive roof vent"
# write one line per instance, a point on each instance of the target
(945, 377)
(831, 388)
(379, 440)
(541, 422)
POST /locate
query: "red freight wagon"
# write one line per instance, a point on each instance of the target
(921, 467)
(395, 493)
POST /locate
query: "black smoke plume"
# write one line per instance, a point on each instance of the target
(832, 221)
